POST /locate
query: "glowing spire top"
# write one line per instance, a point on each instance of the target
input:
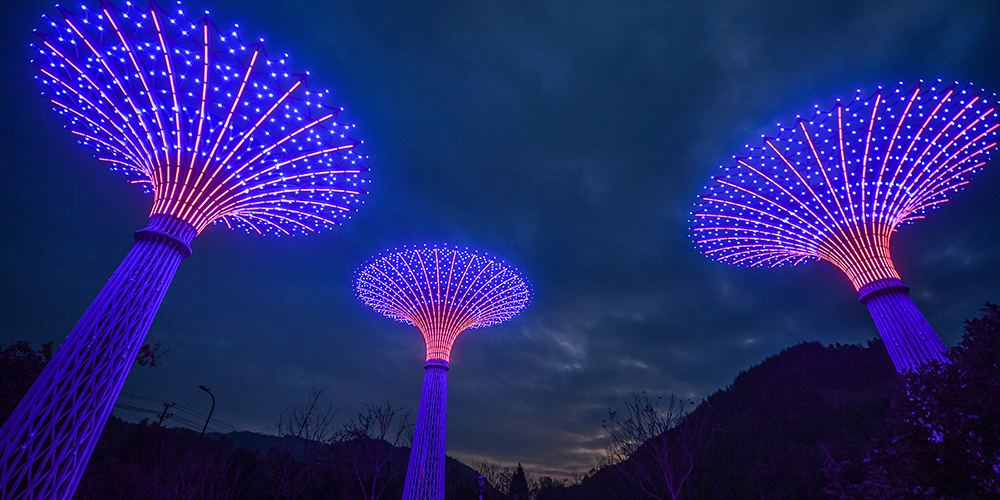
(216, 130)
(442, 291)
(837, 185)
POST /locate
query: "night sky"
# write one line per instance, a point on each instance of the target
(570, 138)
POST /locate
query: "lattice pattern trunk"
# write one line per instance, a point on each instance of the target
(908, 336)
(46, 443)
(425, 472)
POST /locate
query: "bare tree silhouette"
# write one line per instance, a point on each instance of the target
(365, 447)
(654, 444)
(305, 431)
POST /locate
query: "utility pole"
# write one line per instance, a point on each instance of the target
(164, 415)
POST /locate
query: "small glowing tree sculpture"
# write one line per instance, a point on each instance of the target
(217, 132)
(837, 185)
(442, 291)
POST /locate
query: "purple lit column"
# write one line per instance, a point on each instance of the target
(425, 473)
(908, 336)
(47, 442)
(218, 133)
(442, 291)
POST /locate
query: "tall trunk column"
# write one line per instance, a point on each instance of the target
(908, 337)
(46, 443)
(425, 472)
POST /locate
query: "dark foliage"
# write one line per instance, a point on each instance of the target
(143, 461)
(151, 355)
(942, 437)
(20, 365)
(460, 481)
(552, 489)
(497, 479)
(148, 461)
(775, 424)
(518, 485)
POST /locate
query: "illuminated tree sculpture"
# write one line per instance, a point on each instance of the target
(442, 291)
(837, 185)
(217, 132)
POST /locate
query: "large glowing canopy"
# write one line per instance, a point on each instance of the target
(442, 291)
(837, 185)
(213, 127)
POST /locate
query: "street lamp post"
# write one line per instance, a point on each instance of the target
(209, 411)
(482, 484)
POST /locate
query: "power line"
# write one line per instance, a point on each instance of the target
(218, 425)
(135, 408)
(186, 409)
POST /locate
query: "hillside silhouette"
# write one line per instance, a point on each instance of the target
(833, 422)
(772, 428)
(810, 422)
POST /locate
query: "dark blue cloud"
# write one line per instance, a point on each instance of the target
(570, 138)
